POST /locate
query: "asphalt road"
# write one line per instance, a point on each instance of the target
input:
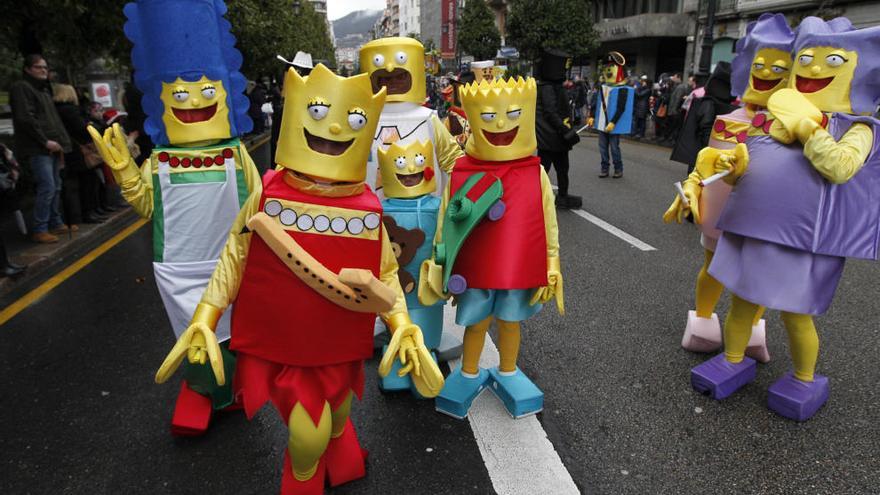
(81, 415)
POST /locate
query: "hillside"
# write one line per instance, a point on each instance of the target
(353, 29)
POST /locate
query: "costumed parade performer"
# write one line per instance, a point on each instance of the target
(612, 113)
(198, 175)
(802, 203)
(762, 67)
(308, 265)
(456, 120)
(398, 65)
(497, 244)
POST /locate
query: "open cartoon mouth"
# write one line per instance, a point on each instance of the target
(192, 115)
(411, 179)
(764, 84)
(501, 138)
(810, 85)
(396, 82)
(326, 146)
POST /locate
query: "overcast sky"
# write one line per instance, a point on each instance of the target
(338, 8)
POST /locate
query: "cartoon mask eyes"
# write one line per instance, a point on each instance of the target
(514, 114)
(318, 110)
(835, 60)
(378, 60)
(778, 69)
(209, 92)
(487, 116)
(400, 58)
(400, 162)
(419, 160)
(181, 95)
(805, 59)
(357, 119)
(759, 66)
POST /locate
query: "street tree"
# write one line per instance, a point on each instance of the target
(477, 33)
(537, 25)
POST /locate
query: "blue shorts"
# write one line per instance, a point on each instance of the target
(475, 305)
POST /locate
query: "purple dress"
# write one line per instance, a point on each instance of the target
(788, 231)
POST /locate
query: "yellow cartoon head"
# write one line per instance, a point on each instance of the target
(407, 170)
(398, 64)
(195, 111)
(770, 71)
(824, 75)
(328, 125)
(502, 118)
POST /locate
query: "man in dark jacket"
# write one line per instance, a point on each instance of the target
(554, 132)
(41, 141)
(640, 111)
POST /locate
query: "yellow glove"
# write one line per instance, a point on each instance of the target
(198, 343)
(692, 191)
(554, 287)
(590, 122)
(735, 160)
(408, 345)
(431, 283)
(609, 127)
(795, 112)
(113, 149)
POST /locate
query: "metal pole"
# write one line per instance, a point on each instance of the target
(706, 47)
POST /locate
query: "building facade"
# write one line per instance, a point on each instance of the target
(410, 22)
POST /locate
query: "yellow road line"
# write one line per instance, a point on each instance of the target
(18, 306)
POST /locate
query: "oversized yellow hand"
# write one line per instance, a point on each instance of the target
(408, 345)
(431, 283)
(198, 344)
(112, 147)
(795, 112)
(736, 161)
(590, 122)
(609, 127)
(554, 287)
(677, 211)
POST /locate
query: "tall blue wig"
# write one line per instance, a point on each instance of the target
(864, 92)
(184, 39)
(769, 31)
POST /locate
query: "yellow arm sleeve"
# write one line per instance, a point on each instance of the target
(251, 175)
(388, 276)
(839, 161)
(551, 228)
(447, 149)
(444, 202)
(223, 286)
(137, 188)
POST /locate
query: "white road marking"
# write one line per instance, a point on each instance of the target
(611, 229)
(518, 455)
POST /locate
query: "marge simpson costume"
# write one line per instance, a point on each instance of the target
(502, 254)
(761, 67)
(398, 65)
(802, 203)
(199, 174)
(309, 264)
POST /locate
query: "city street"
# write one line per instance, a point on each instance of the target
(82, 415)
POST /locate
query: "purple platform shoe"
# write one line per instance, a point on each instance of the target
(719, 378)
(796, 399)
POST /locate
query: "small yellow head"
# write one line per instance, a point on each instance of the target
(407, 170)
(398, 64)
(502, 118)
(770, 71)
(195, 111)
(825, 75)
(328, 125)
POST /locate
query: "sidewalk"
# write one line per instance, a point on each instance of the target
(43, 259)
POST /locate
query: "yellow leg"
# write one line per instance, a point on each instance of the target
(738, 328)
(759, 315)
(472, 347)
(804, 343)
(307, 441)
(508, 345)
(340, 416)
(708, 289)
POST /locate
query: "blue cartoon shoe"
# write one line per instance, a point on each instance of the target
(459, 393)
(520, 396)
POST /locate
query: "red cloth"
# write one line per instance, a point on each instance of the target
(510, 253)
(258, 381)
(279, 318)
